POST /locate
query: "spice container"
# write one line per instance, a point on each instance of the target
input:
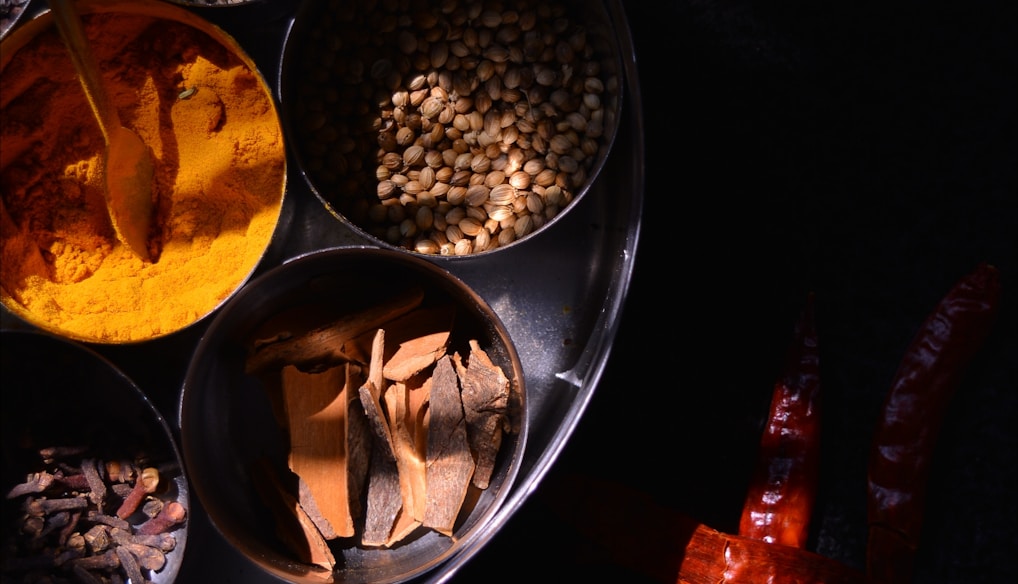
(209, 119)
(11, 12)
(455, 128)
(295, 402)
(92, 477)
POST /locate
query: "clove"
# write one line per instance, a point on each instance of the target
(51, 454)
(130, 565)
(162, 541)
(37, 482)
(97, 488)
(56, 522)
(68, 532)
(74, 481)
(107, 560)
(112, 521)
(98, 538)
(120, 471)
(172, 514)
(147, 557)
(43, 507)
(144, 485)
(152, 507)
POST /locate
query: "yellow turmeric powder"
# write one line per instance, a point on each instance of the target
(220, 171)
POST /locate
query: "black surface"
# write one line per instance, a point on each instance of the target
(866, 152)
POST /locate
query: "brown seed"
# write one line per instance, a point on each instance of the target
(463, 247)
(454, 215)
(457, 195)
(413, 156)
(500, 213)
(506, 236)
(520, 180)
(386, 189)
(482, 239)
(424, 219)
(453, 233)
(439, 54)
(524, 225)
(426, 179)
(535, 204)
(546, 177)
(439, 188)
(493, 178)
(502, 194)
(470, 226)
(477, 195)
(480, 163)
(426, 246)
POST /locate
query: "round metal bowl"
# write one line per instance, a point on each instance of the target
(58, 271)
(60, 394)
(451, 130)
(11, 11)
(232, 423)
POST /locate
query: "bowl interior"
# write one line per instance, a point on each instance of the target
(228, 424)
(351, 85)
(57, 393)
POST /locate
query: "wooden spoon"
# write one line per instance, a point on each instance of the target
(128, 160)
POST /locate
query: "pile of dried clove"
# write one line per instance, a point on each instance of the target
(89, 520)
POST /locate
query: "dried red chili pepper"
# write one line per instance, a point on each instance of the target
(927, 378)
(783, 486)
(656, 541)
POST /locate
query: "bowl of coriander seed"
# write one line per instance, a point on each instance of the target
(452, 128)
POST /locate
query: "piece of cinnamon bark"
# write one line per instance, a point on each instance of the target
(485, 394)
(293, 525)
(409, 461)
(326, 344)
(416, 340)
(316, 408)
(384, 497)
(450, 464)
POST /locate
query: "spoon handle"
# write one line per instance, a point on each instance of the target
(69, 24)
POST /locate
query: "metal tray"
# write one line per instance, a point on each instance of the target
(560, 295)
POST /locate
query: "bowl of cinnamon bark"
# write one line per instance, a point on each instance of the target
(95, 490)
(353, 415)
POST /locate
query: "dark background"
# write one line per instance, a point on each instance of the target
(862, 151)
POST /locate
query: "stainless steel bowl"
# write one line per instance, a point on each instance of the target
(58, 393)
(36, 287)
(11, 11)
(228, 422)
(358, 83)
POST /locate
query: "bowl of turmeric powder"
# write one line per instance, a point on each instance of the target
(453, 129)
(209, 121)
(355, 415)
